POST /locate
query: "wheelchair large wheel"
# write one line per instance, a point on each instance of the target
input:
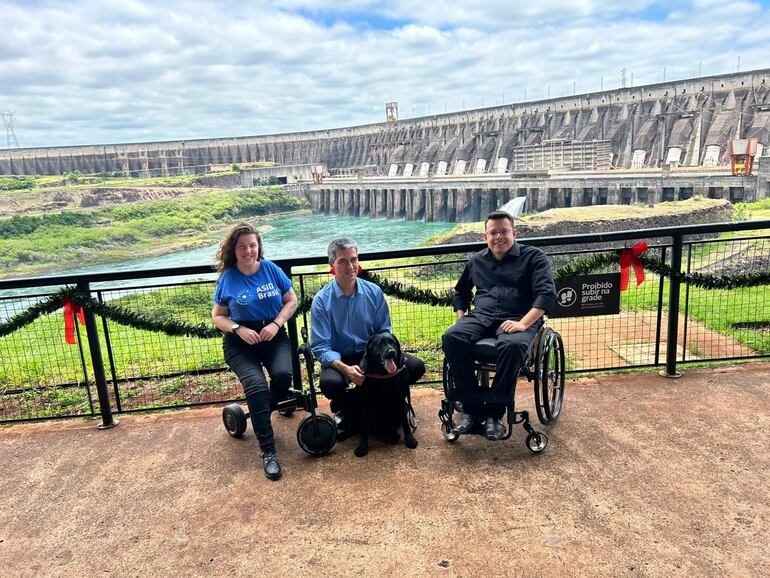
(234, 419)
(549, 376)
(446, 378)
(317, 434)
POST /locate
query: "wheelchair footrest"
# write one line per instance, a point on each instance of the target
(296, 398)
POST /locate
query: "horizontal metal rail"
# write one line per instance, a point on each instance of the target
(139, 395)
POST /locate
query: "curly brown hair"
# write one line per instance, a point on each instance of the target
(225, 257)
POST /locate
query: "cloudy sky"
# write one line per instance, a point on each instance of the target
(106, 71)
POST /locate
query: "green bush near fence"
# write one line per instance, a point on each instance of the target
(28, 243)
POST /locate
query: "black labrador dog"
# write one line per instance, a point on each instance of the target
(381, 402)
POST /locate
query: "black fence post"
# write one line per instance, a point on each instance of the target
(98, 365)
(673, 308)
(291, 325)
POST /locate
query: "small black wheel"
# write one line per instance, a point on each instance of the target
(287, 412)
(317, 434)
(449, 434)
(549, 376)
(536, 442)
(234, 419)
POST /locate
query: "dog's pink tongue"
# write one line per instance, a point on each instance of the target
(390, 366)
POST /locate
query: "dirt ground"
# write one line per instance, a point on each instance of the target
(643, 476)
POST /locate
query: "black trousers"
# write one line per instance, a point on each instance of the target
(512, 351)
(333, 384)
(248, 362)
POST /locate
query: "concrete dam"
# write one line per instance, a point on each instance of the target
(642, 144)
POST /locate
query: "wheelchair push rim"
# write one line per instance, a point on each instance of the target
(549, 376)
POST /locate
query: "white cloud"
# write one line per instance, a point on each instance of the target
(93, 72)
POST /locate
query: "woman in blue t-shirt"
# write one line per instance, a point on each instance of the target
(253, 300)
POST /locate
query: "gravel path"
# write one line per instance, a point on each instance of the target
(643, 476)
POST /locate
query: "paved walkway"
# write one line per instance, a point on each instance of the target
(643, 476)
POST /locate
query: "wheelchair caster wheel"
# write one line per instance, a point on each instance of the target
(449, 434)
(234, 419)
(317, 434)
(536, 442)
(288, 412)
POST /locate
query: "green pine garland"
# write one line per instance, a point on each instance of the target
(391, 288)
(704, 280)
(409, 293)
(48, 305)
(585, 266)
(113, 312)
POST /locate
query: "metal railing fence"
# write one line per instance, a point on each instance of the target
(664, 322)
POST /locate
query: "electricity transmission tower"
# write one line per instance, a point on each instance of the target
(8, 123)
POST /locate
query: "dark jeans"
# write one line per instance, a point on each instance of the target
(333, 384)
(512, 351)
(248, 361)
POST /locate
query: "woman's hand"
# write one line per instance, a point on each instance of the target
(248, 335)
(268, 331)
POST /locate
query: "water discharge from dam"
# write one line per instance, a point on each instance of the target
(515, 206)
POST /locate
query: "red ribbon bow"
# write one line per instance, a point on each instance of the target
(630, 258)
(71, 309)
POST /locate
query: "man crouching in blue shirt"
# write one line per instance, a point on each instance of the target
(345, 313)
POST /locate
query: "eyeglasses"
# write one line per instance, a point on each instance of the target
(501, 233)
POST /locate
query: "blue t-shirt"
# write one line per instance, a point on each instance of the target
(252, 297)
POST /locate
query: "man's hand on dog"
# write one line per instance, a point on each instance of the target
(354, 374)
(510, 326)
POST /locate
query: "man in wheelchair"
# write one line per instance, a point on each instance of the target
(514, 289)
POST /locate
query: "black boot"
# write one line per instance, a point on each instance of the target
(271, 465)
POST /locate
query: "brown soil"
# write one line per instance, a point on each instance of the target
(40, 200)
(643, 476)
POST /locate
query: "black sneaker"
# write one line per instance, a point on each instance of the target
(466, 424)
(494, 428)
(271, 465)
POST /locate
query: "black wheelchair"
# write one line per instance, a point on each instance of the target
(544, 366)
(316, 433)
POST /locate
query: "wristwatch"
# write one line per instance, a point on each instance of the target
(235, 327)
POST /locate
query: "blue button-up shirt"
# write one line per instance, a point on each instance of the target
(341, 325)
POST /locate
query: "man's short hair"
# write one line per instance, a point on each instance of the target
(497, 215)
(340, 244)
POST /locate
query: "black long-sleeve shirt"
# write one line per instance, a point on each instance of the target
(509, 288)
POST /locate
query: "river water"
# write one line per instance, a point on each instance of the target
(285, 237)
(295, 236)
